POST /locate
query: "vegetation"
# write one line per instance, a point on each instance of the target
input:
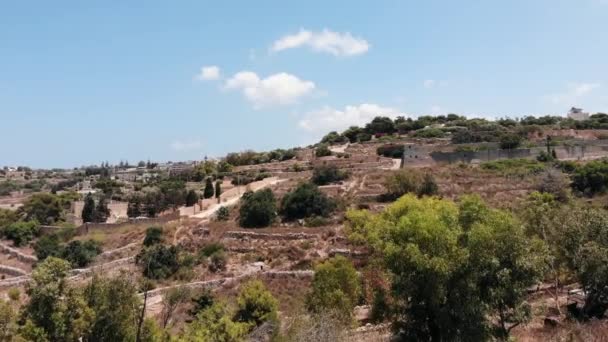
(223, 213)
(258, 209)
(335, 287)
(45, 208)
(326, 174)
(208, 191)
(191, 198)
(306, 200)
(322, 150)
(21, 232)
(405, 181)
(391, 150)
(591, 178)
(441, 254)
(158, 261)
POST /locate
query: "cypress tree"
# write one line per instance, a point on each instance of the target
(88, 211)
(208, 192)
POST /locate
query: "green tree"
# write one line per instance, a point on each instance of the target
(509, 141)
(223, 214)
(7, 217)
(215, 324)
(208, 192)
(191, 198)
(304, 201)
(352, 132)
(8, 322)
(256, 305)
(80, 253)
(322, 150)
(456, 265)
(48, 245)
(116, 306)
(44, 208)
(218, 190)
(101, 212)
(158, 261)
(55, 311)
(380, 124)
(335, 287)
(591, 178)
(22, 232)
(88, 210)
(258, 209)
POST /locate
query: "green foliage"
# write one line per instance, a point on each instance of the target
(218, 189)
(158, 261)
(215, 324)
(154, 235)
(429, 133)
(191, 198)
(322, 150)
(203, 300)
(218, 261)
(352, 134)
(7, 217)
(256, 305)
(92, 212)
(21, 232)
(591, 178)
(509, 141)
(334, 138)
(304, 201)
(208, 191)
(428, 187)
(8, 322)
(47, 246)
(79, 253)
(44, 208)
(223, 214)
(363, 137)
(335, 287)
(258, 209)
(211, 248)
(457, 265)
(55, 311)
(116, 305)
(514, 167)
(401, 182)
(326, 174)
(391, 150)
(380, 125)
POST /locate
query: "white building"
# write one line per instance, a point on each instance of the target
(577, 114)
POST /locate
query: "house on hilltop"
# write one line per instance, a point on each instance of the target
(577, 114)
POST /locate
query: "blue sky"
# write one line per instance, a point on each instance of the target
(87, 81)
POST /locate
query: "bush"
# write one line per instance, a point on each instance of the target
(258, 209)
(510, 141)
(514, 166)
(158, 261)
(325, 174)
(335, 287)
(591, 178)
(428, 187)
(79, 253)
(211, 248)
(391, 150)
(429, 133)
(256, 305)
(322, 150)
(223, 214)
(363, 137)
(305, 201)
(22, 232)
(191, 198)
(154, 235)
(47, 246)
(315, 221)
(218, 261)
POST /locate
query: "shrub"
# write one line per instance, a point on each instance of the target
(211, 248)
(391, 150)
(191, 198)
(510, 141)
(335, 286)
(305, 201)
(14, 294)
(208, 191)
(223, 214)
(428, 186)
(400, 183)
(315, 221)
(363, 137)
(256, 305)
(79, 253)
(48, 245)
(322, 150)
(325, 174)
(158, 261)
(591, 178)
(514, 166)
(258, 209)
(429, 133)
(21, 232)
(218, 261)
(154, 235)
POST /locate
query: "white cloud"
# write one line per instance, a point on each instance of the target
(573, 94)
(428, 84)
(186, 145)
(277, 89)
(436, 110)
(335, 43)
(209, 73)
(329, 119)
